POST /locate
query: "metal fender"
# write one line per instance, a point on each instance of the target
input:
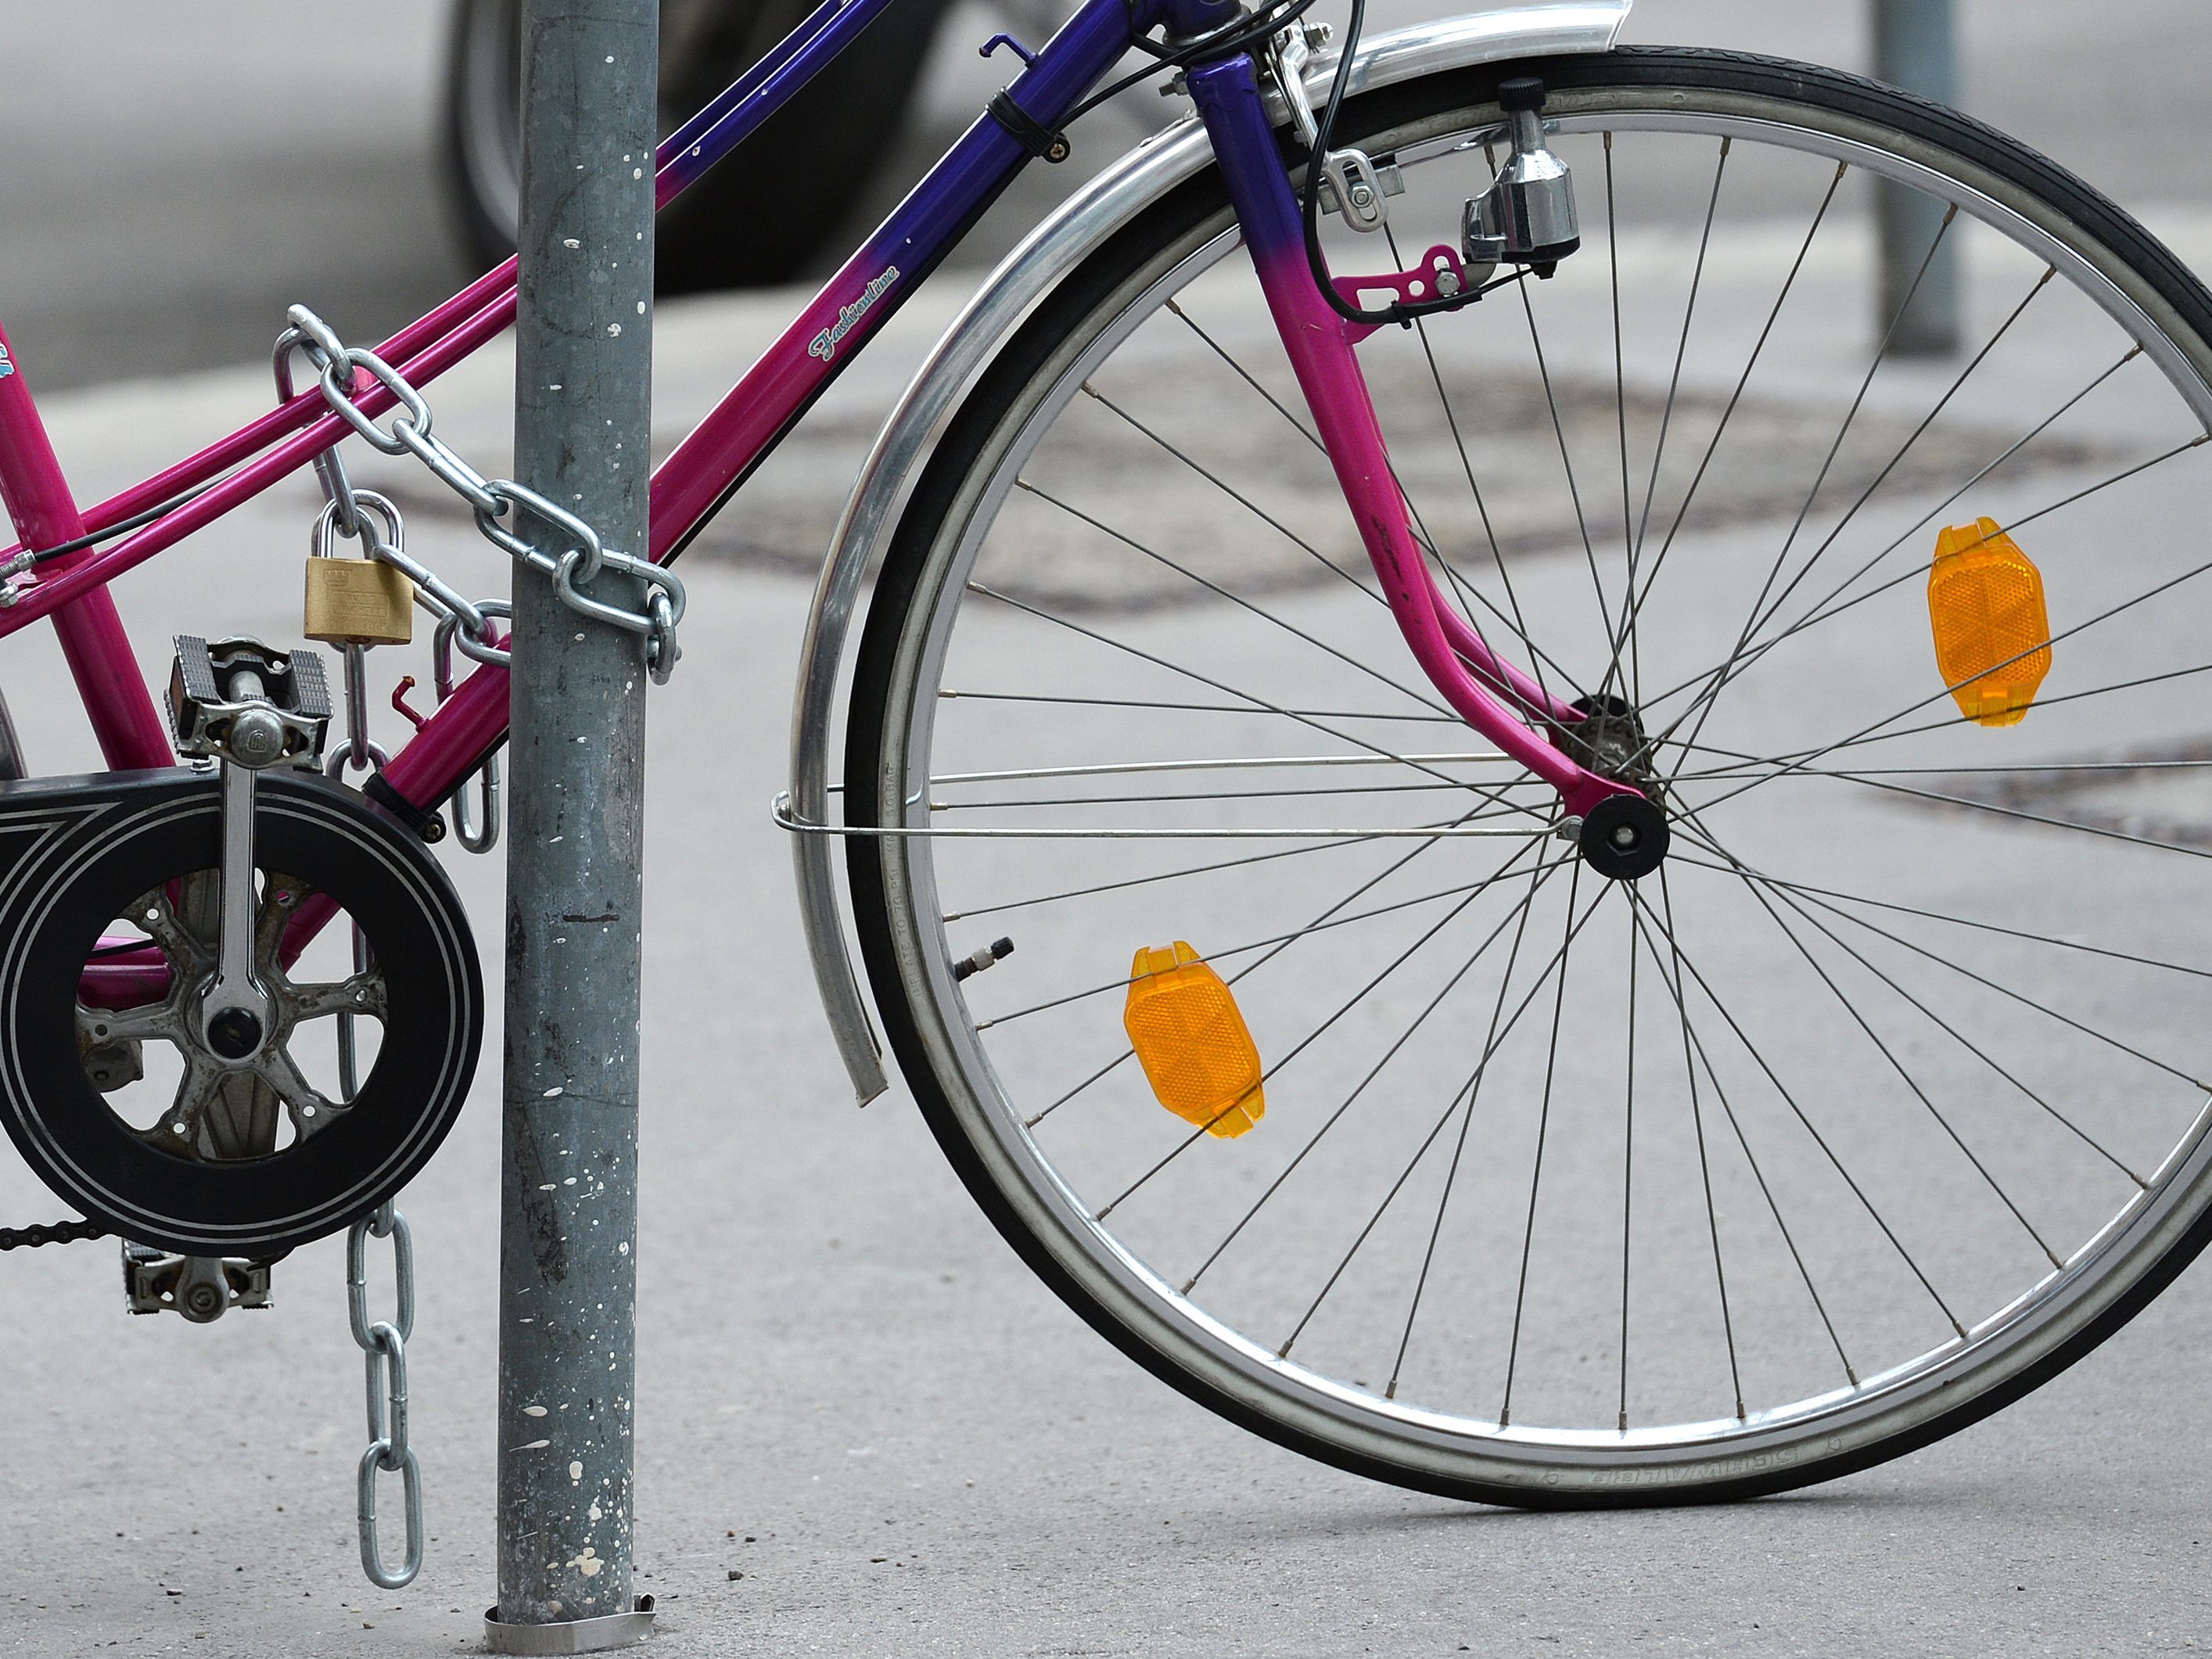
(1055, 247)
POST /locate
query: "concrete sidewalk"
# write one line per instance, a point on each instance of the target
(863, 1427)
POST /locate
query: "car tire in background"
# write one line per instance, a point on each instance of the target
(757, 218)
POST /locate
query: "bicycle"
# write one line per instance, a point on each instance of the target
(1834, 1157)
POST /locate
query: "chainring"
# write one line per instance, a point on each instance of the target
(211, 1177)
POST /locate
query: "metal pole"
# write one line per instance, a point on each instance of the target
(1916, 47)
(568, 1180)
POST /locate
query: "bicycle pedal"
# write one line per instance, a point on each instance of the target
(203, 1288)
(1191, 1038)
(284, 693)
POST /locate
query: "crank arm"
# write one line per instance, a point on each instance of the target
(236, 1011)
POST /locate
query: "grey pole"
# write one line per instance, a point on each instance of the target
(1916, 47)
(568, 1179)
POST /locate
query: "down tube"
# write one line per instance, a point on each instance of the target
(875, 281)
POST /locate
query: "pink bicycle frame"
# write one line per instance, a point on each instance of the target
(746, 425)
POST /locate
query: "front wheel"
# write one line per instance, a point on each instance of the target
(1879, 1103)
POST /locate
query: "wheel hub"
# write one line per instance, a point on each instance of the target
(1623, 837)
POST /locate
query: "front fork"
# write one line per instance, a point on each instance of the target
(1319, 344)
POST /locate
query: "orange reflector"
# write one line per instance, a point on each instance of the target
(1992, 634)
(1192, 1041)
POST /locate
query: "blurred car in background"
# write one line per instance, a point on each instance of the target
(754, 220)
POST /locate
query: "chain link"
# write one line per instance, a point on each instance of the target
(498, 505)
(384, 1350)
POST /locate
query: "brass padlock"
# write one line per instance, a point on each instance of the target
(358, 602)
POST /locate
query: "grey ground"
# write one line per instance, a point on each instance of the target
(850, 1392)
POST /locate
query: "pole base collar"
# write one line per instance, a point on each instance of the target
(612, 1629)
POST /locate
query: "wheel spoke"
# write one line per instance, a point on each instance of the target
(1543, 1128)
(1327, 1023)
(1307, 715)
(1949, 1029)
(1905, 1076)
(1137, 652)
(1275, 948)
(1473, 1091)
(1517, 622)
(1627, 1167)
(1261, 611)
(1278, 941)
(1897, 458)
(1619, 635)
(1566, 460)
(1820, 611)
(1516, 918)
(148, 1022)
(1728, 413)
(311, 1111)
(1746, 654)
(1781, 885)
(2020, 997)
(362, 993)
(1234, 494)
(1819, 1140)
(1693, 1041)
(1919, 703)
(1698, 1127)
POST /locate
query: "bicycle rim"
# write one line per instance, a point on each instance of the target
(1873, 1108)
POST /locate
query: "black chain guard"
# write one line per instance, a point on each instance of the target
(74, 854)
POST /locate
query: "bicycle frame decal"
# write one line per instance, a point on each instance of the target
(824, 344)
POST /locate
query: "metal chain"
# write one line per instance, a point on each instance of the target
(384, 1347)
(478, 831)
(491, 500)
(55, 1232)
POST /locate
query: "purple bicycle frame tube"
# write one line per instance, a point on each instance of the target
(1316, 340)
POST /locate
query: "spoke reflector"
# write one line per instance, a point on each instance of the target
(1992, 633)
(1192, 1041)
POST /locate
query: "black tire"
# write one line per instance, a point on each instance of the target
(741, 226)
(2147, 272)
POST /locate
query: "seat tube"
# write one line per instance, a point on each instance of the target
(1320, 348)
(130, 728)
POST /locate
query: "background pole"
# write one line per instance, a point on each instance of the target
(568, 1182)
(1916, 47)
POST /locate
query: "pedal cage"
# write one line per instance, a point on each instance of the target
(202, 705)
(200, 1287)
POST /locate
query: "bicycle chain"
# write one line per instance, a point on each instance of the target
(56, 1232)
